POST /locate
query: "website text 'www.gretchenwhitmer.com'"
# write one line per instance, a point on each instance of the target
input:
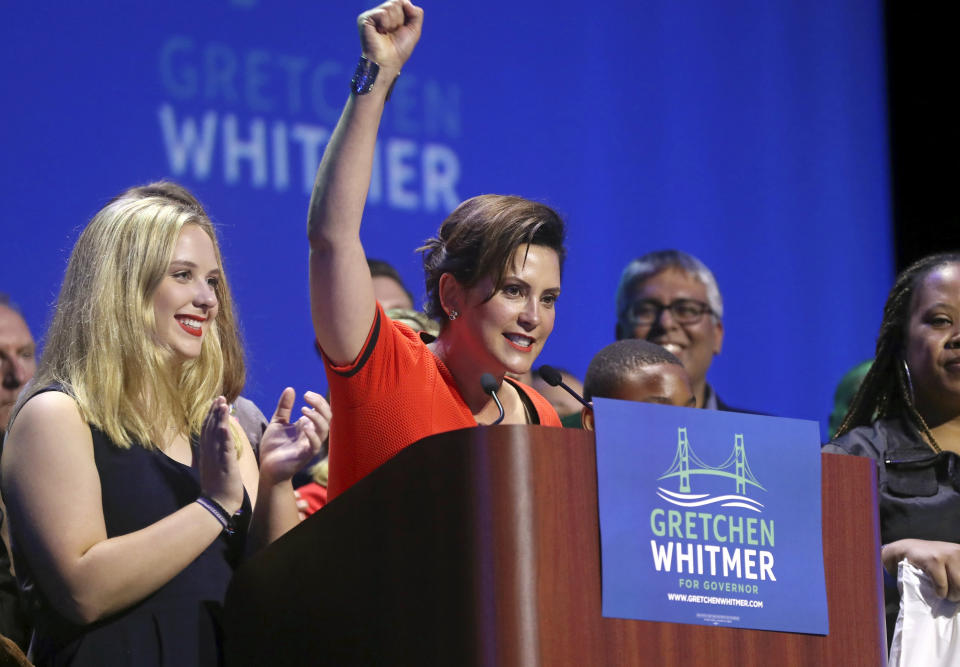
(713, 599)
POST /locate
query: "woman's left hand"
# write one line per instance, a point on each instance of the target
(287, 447)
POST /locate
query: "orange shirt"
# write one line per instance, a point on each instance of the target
(394, 394)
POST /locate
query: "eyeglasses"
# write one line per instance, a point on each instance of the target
(684, 311)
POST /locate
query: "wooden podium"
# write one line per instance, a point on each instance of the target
(482, 547)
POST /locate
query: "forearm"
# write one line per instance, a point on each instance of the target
(118, 572)
(284, 449)
(274, 515)
(52, 488)
(343, 177)
(341, 290)
(388, 34)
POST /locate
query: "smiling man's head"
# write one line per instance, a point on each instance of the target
(671, 298)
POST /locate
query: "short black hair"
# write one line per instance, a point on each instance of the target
(611, 365)
(379, 267)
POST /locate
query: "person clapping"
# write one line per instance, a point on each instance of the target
(132, 493)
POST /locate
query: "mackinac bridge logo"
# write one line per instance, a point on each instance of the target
(687, 464)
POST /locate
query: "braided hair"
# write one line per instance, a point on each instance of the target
(886, 390)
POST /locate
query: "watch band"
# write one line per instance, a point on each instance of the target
(364, 76)
(228, 521)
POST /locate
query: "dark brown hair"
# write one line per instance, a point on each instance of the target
(480, 237)
(384, 269)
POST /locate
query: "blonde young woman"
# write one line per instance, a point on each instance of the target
(131, 492)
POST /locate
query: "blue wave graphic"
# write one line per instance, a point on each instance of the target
(703, 499)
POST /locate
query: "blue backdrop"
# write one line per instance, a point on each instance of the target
(752, 135)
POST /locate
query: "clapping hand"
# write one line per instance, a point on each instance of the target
(217, 458)
(287, 447)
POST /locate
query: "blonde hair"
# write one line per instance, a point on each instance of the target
(100, 348)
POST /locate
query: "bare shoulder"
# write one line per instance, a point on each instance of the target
(47, 410)
(49, 423)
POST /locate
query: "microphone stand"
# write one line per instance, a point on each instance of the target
(489, 384)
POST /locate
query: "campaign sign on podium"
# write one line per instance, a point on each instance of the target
(711, 518)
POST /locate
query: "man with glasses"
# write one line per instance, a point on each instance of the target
(671, 298)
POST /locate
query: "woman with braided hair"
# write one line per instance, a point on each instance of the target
(906, 416)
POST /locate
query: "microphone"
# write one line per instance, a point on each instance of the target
(552, 377)
(489, 384)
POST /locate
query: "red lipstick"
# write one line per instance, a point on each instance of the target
(190, 324)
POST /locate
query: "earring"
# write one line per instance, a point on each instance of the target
(453, 314)
(906, 370)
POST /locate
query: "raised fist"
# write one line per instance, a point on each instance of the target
(389, 32)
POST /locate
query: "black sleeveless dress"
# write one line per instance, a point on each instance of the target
(179, 624)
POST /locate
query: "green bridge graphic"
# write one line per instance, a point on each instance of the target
(687, 463)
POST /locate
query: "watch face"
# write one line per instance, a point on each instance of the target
(234, 522)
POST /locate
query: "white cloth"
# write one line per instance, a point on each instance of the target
(927, 633)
